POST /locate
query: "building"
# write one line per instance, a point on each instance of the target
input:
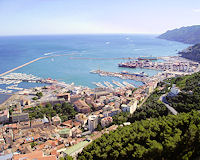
(4, 116)
(39, 155)
(74, 98)
(131, 107)
(107, 108)
(98, 92)
(20, 117)
(56, 120)
(75, 149)
(66, 96)
(24, 102)
(76, 132)
(174, 90)
(66, 132)
(81, 106)
(81, 118)
(6, 156)
(92, 122)
(106, 121)
(149, 89)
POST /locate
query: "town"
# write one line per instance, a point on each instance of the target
(60, 119)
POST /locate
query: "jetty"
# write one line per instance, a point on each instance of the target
(90, 58)
(37, 59)
(128, 84)
(98, 84)
(118, 84)
(143, 79)
(2, 74)
(108, 84)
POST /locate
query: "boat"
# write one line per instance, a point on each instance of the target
(128, 84)
(127, 65)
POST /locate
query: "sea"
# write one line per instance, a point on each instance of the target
(81, 56)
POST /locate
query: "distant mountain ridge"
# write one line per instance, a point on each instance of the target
(192, 53)
(190, 34)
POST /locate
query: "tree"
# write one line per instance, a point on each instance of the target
(39, 94)
(168, 137)
(99, 127)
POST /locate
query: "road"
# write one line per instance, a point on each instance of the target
(171, 109)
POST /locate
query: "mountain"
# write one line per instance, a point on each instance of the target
(192, 53)
(190, 34)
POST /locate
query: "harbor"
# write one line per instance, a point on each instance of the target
(12, 80)
(172, 64)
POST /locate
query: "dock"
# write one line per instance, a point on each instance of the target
(128, 84)
(98, 84)
(121, 75)
(118, 84)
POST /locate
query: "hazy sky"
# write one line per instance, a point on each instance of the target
(27, 17)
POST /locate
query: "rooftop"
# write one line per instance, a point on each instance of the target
(76, 147)
(64, 131)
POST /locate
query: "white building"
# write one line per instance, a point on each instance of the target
(92, 122)
(4, 116)
(174, 90)
(131, 107)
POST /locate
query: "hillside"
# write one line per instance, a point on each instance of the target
(154, 134)
(170, 137)
(192, 53)
(189, 97)
(190, 34)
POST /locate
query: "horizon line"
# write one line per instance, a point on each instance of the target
(62, 34)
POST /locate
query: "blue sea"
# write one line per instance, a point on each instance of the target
(17, 50)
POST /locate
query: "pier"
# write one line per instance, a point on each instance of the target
(143, 79)
(89, 58)
(2, 74)
(37, 59)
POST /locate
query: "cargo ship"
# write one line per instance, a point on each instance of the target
(127, 65)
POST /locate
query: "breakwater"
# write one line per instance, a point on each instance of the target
(37, 59)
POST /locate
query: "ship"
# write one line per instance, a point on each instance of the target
(147, 58)
(142, 74)
(126, 65)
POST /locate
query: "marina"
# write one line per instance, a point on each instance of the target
(11, 81)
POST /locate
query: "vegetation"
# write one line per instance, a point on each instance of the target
(39, 95)
(66, 158)
(168, 137)
(185, 34)
(99, 127)
(35, 98)
(33, 144)
(192, 52)
(189, 98)
(65, 111)
(154, 134)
